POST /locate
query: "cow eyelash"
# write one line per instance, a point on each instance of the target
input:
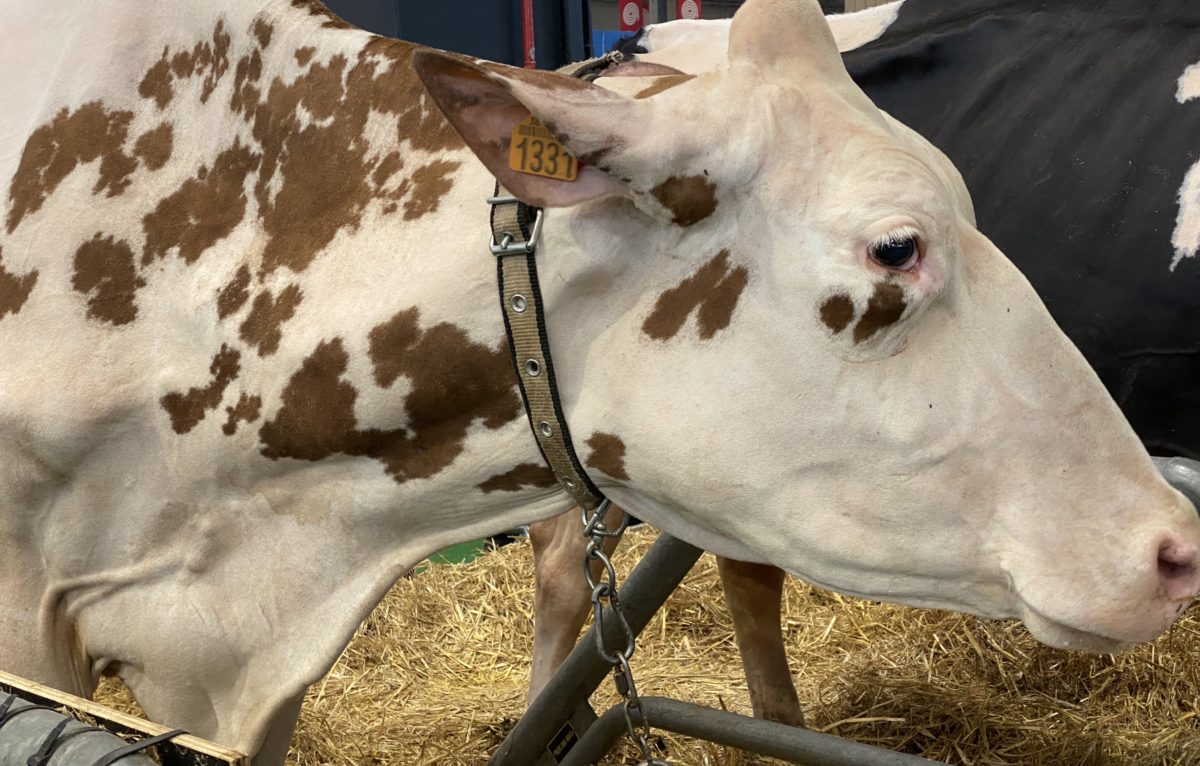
(894, 237)
(898, 250)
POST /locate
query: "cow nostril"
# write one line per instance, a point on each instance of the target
(1178, 565)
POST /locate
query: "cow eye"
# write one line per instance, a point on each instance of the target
(896, 252)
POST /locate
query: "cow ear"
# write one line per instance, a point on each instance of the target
(485, 101)
(783, 35)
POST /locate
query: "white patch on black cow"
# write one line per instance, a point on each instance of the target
(1189, 84)
(1186, 238)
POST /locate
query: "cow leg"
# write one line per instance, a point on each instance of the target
(36, 641)
(562, 599)
(753, 593)
(256, 720)
(279, 736)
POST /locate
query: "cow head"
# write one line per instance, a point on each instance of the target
(781, 337)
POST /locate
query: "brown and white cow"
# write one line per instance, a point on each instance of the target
(1160, 227)
(253, 368)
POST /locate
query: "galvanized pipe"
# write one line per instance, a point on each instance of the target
(768, 738)
(23, 734)
(1183, 474)
(654, 579)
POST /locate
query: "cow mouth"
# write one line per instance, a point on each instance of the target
(1062, 636)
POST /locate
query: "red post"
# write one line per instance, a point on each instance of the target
(634, 14)
(687, 9)
(527, 37)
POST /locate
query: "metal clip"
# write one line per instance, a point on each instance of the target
(507, 244)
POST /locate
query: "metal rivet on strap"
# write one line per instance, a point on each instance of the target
(569, 483)
(518, 303)
(546, 429)
(532, 368)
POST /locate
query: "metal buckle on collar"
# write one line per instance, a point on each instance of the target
(506, 245)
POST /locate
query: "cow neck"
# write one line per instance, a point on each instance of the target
(515, 230)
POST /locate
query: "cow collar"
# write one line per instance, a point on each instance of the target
(515, 230)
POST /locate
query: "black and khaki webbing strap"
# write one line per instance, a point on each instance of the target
(515, 229)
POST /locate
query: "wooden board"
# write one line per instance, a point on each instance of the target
(184, 750)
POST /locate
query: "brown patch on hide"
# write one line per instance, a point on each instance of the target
(261, 329)
(244, 99)
(326, 168)
(234, 295)
(208, 58)
(14, 290)
(690, 199)
(837, 312)
(387, 167)
(664, 83)
(304, 55)
(156, 83)
(429, 184)
(399, 332)
(105, 271)
(454, 383)
(187, 410)
(524, 475)
(713, 292)
(55, 149)
(247, 72)
(608, 455)
(885, 307)
(262, 32)
(318, 9)
(246, 410)
(204, 210)
(154, 146)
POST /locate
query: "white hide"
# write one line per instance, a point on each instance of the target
(1186, 238)
(854, 30)
(698, 45)
(959, 454)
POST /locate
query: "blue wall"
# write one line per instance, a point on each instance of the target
(489, 29)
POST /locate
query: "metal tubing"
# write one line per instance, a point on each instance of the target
(1182, 474)
(775, 740)
(653, 580)
(23, 735)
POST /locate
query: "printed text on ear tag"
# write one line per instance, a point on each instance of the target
(535, 151)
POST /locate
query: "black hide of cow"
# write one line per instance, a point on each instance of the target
(1063, 120)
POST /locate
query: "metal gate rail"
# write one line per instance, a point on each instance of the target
(560, 721)
(768, 738)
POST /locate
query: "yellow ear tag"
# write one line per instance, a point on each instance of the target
(534, 150)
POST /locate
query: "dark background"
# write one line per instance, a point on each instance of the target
(492, 30)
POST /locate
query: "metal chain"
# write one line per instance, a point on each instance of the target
(605, 589)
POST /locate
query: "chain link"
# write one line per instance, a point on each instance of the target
(605, 589)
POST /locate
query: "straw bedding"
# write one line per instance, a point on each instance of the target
(437, 674)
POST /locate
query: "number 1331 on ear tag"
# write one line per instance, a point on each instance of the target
(534, 150)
